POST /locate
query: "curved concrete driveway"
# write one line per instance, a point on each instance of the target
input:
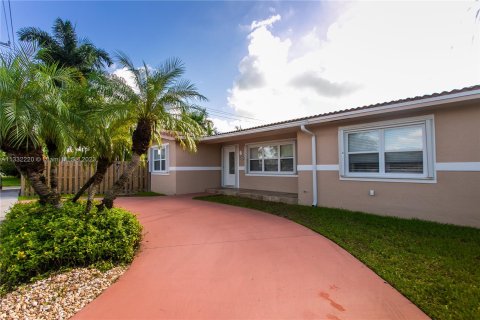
(201, 260)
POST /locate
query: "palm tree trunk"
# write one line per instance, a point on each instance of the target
(91, 195)
(141, 137)
(119, 185)
(30, 164)
(84, 188)
(54, 155)
(102, 166)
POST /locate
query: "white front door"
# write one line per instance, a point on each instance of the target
(229, 166)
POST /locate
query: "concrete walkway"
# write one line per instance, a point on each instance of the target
(8, 196)
(202, 260)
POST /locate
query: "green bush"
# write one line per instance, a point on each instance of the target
(7, 168)
(36, 240)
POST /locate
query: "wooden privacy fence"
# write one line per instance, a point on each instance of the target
(72, 175)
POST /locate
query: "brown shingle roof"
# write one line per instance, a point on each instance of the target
(427, 96)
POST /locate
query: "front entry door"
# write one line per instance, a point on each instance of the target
(229, 165)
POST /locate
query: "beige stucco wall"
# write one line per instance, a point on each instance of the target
(197, 181)
(186, 174)
(207, 155)
(454, 198)
(164, 183)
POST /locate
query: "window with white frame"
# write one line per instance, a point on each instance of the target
(271, 158)
(388, 150)
(160, 159)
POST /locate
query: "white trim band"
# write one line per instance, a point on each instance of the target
(320, 167)
(439, 166)
(458, 166)
(195, 168)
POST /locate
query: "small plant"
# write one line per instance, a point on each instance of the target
(36, 240)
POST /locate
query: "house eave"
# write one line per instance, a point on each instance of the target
(394, 107)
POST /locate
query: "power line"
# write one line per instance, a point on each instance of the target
(11, 22)
(7, 44)
(232, 118)
(218, 111)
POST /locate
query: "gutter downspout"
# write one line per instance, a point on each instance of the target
(314, 164)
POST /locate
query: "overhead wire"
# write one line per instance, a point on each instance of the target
(11, 22)
(228, 115)
(7, 44)
(231, 114)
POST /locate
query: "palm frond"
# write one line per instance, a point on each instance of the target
(32, 34)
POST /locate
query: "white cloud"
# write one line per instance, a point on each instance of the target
(127, 76)
(373, 52)
(265, 23)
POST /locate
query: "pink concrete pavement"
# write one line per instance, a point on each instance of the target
(201, 260)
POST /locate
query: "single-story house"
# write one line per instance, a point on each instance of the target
(413, 158)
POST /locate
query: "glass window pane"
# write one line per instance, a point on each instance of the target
(156, 155)
(363, 141)
(286, 151)
(255, 165)
(270, 152)
(256, 153)
(286, 165)
(162, 153)
(367, 162)
(404, 162)
(163, 164)
(231, 162)
(270, 165)
(400, 139)
(156, 165)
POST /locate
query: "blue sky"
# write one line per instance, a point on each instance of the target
(276, 60)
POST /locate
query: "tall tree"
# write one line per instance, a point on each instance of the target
(65, 49)
(31, 105)
(161, 102)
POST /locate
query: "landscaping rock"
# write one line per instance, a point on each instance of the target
(59, 296)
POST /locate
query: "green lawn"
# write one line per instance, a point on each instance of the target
(10, 181)
(436, 266)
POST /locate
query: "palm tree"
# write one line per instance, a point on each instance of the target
(200, 115)
(160, 103)
(30, 106)
(64, 47)
(105, 138)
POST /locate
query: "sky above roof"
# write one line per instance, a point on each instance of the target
(261, 62)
